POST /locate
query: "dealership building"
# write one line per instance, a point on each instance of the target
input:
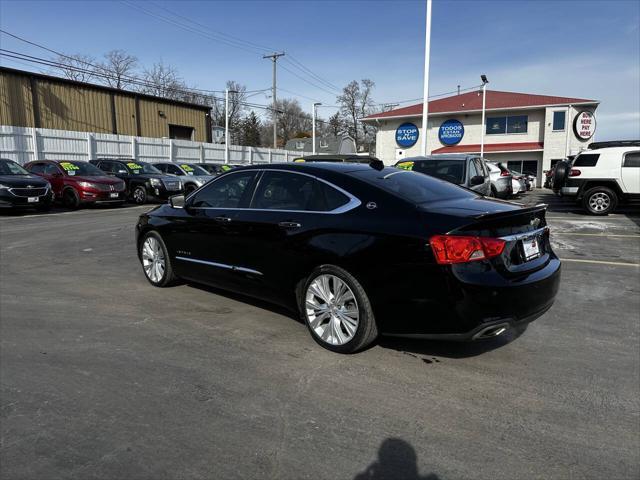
(526, 131)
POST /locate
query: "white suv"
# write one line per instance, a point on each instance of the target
(602, 177)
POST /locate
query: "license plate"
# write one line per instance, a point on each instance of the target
(113, 195)
(531, 248)
(32, 199)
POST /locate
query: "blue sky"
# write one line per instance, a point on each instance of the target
(586, 49)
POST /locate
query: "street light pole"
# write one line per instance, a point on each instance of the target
(314, 107)
(226, 126)
(425, 94)
(484, 106)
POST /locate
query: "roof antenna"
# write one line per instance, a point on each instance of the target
(458, 89)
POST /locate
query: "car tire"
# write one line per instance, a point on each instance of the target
(325, 315)
(560, 175)
(139, 195)
(600, 201)
(156, 263)
(70, 198)
(493, 193)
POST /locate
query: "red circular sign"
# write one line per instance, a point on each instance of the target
(584, 125)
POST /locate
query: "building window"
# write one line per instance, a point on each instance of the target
(324, 144)
(300, 145)
(180, 132)
(512, 124)
(529, 167)
(558, 120)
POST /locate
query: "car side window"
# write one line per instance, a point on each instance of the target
(229, 191)
(480, 167)
(173, 169)
(632, 159)
(51, 169)
(37, 168)
(292, 191)
(161, 166)
(473, 169)
(107, 166)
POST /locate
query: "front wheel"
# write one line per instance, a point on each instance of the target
(600, 201)
(155, 260)
(139, 195)
(71, 199)
(337, 310)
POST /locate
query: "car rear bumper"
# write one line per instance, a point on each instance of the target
(461, 308)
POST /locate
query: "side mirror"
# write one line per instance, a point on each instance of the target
(477, 180)
(177, 201)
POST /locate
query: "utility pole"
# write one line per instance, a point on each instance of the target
(274, 58)
(314, 108)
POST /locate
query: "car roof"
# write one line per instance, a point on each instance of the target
(319, 167)
(447, 156)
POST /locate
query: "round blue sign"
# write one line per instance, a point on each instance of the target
(451, 132)
(407, 135)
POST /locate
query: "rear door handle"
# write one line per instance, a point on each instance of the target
(222, 219)
(289, 224)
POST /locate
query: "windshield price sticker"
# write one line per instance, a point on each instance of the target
(405, 165)
(134, 166)
(69, 167)
(187, 168)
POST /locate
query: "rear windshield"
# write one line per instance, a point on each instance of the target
(586, 160)
(450, 170)
(415, 187)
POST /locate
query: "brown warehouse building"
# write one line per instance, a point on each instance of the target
(34, 100)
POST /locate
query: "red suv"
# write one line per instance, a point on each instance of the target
(77, 182)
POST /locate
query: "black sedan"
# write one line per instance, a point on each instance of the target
(20, 189)
(358, 251)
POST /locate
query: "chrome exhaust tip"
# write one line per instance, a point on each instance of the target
(491, 331)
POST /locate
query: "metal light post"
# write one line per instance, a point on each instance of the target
(314, 108)
(425, 99)
(484, 106)
(227, 137)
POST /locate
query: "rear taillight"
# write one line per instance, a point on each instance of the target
(504, 173)
(574, 172)
(458, 249)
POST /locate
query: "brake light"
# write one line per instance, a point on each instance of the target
(574, 172)
(504, 173)
(450, 249)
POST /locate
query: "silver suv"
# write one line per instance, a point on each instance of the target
(193, 176)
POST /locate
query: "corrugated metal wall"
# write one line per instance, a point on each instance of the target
(65, 106)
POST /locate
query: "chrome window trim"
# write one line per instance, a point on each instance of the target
(220, 265)
(523, 235)
(353, 202)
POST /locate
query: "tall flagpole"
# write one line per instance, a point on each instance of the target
(425, 100)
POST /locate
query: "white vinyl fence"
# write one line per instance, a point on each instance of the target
(27, 144)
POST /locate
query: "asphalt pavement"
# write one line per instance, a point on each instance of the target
(104, 376)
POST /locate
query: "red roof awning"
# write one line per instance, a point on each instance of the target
(492, 148)
(472, 101)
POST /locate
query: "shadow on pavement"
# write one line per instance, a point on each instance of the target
(254, 302)
(448, 349)
(397, 459)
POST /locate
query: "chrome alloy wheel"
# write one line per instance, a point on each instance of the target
(153, 259)
(332, 309)
(138, 195)
(599, 202)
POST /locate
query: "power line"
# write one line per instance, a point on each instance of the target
(236, 42)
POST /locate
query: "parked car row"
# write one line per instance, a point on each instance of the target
(109, 181)
(491, 179)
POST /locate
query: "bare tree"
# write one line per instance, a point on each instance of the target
(163, 81)
(356, 102)
(335, 125)
(237, 107)
(292, 120)
(118, 66)
(76, 67)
